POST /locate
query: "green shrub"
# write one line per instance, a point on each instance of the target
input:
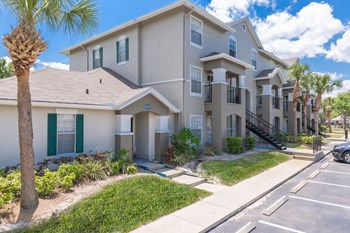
(10, 187)
(75, 168)
(184, 147)
(234, 145)
(67, 181)
(304, 139)
(47, 183)
(94, 171)
(249, 143)
(131, 169)
(2, 172)
(211, 150)
(124, 160)
(115, 168)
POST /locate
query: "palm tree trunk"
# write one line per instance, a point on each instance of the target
(29, 196)
(306, 98)
(329, 121)
(318, 101)
(295, 128)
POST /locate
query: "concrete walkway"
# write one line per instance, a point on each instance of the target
(213, 210)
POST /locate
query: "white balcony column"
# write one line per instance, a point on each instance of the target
(242, 81)
(280, 95)
(290, 96)
(162, 124)
(267, 89)
(123, 123)
(219, 75)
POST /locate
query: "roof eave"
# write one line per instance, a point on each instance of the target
(227, 57)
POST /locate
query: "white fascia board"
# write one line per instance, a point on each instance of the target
(134, 22)
(156, 94)
(229, 58)
(274, 57)
(273, 74)
(60, 105)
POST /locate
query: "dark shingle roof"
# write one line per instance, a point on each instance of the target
(265, 73)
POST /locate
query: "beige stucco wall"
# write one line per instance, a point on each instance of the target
(99, 127)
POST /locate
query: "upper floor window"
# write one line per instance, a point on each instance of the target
(122, 50)
(196, 32)
(244, 27)
(233, 46)
(97, 57)
(196, 80)
(254, 56)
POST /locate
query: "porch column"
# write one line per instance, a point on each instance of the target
(219, 75)
(267, 102)
(123, 134)
(291, 118)
(242, 81)
(161, 137)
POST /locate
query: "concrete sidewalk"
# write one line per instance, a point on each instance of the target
(213, 210)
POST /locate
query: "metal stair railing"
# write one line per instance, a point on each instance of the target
(267, 128)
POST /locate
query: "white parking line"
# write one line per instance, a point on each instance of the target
(330, 184)
(330, 171)
(320, 202)
(280, 227)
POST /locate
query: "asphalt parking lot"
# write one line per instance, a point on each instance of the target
(316, 200)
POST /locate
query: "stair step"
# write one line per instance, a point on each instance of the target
(151, 166)
(169, 172)
(188, 180)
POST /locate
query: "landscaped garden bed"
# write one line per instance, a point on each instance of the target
(232, 172)
(123, 206)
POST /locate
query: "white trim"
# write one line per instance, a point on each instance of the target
(253, 50)
(153, 14)
(274, 57)
(162, 131)
(227, 57)
(232, 37)
(192, 43)
(124, 133)
(271, 75)
(161, 82)
(60, 105)
(66, 111)
(195, 93)
(120, 39)
(248, 24)
(201, 127)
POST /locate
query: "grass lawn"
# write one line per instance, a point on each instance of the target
(298, 145)
(232, 172)
(123, 206)
(336, 135)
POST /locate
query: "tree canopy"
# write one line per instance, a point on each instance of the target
(6, 69)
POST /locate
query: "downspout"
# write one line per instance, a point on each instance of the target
(184, 43)
(87, 57)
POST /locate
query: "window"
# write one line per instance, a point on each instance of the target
(65, 133)
(196, 32)
(97, 57)
(233, 46)
(244, 27)
(229, 126)
(254, 56)
(122, 50)
(196, 80)
(196, 125)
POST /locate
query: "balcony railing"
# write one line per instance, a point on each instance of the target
(233, 95)
(276, 102)
(285, 106)
(208, 93)
(259, 102)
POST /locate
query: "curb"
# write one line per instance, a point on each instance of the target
(236, 211)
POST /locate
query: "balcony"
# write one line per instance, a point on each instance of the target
(233, 95)
(259, 101)
(208, 90)
(275, 102)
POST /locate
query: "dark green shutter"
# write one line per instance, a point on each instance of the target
(127, 49)
(79, 130)
(93, 59)
(101, 57)
(117, 51)
(52, 134)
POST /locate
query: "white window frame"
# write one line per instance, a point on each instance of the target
(192, 43)
(75, 134)
(201, 71)
(254, 51)
(201, 126)
(120, 40)
(229, 45)
(96, 50)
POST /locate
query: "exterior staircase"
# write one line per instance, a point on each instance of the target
(266, 131)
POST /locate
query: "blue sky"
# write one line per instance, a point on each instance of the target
(317, 31)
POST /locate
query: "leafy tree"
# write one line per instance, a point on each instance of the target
(24, 45)
(6, 69)
(306, 83)
(342, 106)
(297, 72)
(327, 105)
(323, 84)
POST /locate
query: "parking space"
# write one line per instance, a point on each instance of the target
(322, 204)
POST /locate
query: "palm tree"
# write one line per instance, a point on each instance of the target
(24, 45)
(323, 84)
(297, 72)
(327, 105)
(306, 83)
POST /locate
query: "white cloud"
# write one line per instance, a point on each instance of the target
(340, 50)
(56, 65)
(344, 88)
(8, 59)
(227, 10)
(300, 35)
